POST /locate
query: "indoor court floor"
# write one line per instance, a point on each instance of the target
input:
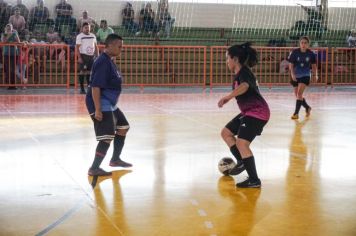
(307, 167)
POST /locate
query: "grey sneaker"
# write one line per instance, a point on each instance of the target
(249, 184)
(98, 172)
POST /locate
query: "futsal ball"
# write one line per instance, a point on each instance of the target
(225, 165)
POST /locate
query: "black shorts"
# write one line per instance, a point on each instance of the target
(112, 121)
(304, 80)
(87, 62)
(246, 127)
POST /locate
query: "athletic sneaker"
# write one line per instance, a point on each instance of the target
(307, 111)
(237, 169)
(98, 172)
(249, 184)
(120, 163)
(295, 117)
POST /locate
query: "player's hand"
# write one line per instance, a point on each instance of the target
(316, 78)
(98, 115)
(223, 100)
(293, 77)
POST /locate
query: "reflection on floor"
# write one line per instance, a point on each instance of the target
(307, 167)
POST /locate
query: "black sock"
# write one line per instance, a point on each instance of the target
(81, 82)
(119, 142)
(250, 166)
(235, 152)
(298, 104)
(100, 153)
(305, 104)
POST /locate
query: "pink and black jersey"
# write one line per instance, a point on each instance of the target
(251, 103)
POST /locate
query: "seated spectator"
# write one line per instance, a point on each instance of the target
(51, 35)
(10, 54)
(147, 19)
(86, 19)
(128, 16)
(103, 32)
(284, 66)
(39, 15)
(164, 18)
(351, 40)
(23, 9)
(64, 17)
(18, 22)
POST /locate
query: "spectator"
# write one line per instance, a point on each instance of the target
(39, 15)
(284, 66)
(51, 35)
(351, 40)
(315, 17)
(10, 54)
(18, 22)
(5, 13)
(164, 18)
(88, 19)
(147, 19)
(103, 31)
(23, 9)
(87, 49)
(64, 17)
(128, 22)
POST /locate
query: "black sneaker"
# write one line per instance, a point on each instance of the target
(237, 169)
(120, 163)
(249, 184)
(98, 172)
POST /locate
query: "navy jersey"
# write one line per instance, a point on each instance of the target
(104, 75)
(251, 103)
(302, 62)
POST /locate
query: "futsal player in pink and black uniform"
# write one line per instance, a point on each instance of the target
(242, 130)
(101, 101)
(301, 61)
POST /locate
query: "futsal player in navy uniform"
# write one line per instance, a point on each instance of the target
(301, 61)
(101, 101)
(242, 130)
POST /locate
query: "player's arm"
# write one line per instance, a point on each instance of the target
(80, 60)
(315, 72)
(241, 89)
(96, 98)
(291, 69)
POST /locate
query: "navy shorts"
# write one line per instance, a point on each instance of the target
(304, 80)
(246, 127)
(112, 121)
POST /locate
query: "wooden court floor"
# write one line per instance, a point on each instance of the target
(307, 167)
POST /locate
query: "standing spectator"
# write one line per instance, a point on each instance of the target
(86, 18)
(5, 13)
(10, 54)
(315, 17)
(103, 31)
(23, 9)
(64, 17)
(128, 22)
(147, 19)
(18, 22)
(165, 19)
(87, 49)
(301, 61)
(39, 15)
(110, 123)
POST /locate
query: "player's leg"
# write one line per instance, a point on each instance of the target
(228, 134)
(105, 133)
(122, 127)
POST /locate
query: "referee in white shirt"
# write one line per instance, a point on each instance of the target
(87, 50)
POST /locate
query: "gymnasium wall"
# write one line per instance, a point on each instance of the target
(210, 15)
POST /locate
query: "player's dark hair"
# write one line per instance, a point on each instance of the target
(85, 24)
(104, 21)
(111, 38)
(304, 38)
(245, 54)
